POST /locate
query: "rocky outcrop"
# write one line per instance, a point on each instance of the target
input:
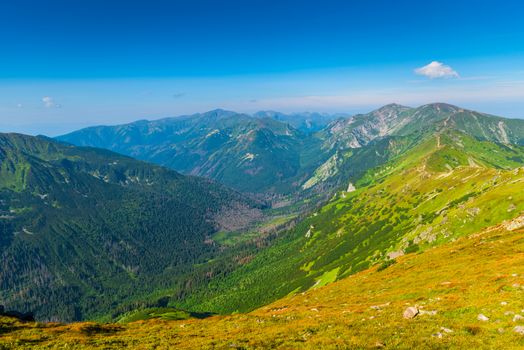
(514, 224)
(482, 317)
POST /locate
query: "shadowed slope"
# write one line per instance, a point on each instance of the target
(84, 231)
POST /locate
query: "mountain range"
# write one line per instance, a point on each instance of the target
(270, 153)
(366, 204)
(261, 153)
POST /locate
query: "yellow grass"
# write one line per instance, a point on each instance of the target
(479, 274)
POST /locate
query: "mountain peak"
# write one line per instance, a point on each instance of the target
(220, 112)
(394, 106)
(441, 107)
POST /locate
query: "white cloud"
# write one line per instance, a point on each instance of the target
(49, 102)
(436, 70)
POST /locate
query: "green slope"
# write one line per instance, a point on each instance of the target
(363, 141)
(450, 285)
(444, 186)
(423, 176)
(86, 231)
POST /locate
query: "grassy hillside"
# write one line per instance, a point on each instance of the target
(86, 232)
(447, 186)
(451, 285)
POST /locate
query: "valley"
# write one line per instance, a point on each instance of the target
(86, 231)
(402, 207)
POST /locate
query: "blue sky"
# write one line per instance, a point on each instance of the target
(69, 64)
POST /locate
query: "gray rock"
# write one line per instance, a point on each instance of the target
(394, 255)
(410, 312)
(519, 330)
(517, 318)
(446, 330)
(481, 317)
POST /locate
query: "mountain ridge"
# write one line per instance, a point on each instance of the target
(214, 144)
(247, 153)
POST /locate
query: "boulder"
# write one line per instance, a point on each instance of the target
(394, 255)
(519, 330)
(410, 312)
(483, 318)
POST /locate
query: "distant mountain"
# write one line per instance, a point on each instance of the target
(306, 122)
(251, 154)
(269, 153)
(363, 141)
(359, 130)
(397, 120)
(84, 230)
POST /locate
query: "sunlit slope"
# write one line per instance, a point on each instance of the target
(451, 285)
(448, 186)
(363, 141)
